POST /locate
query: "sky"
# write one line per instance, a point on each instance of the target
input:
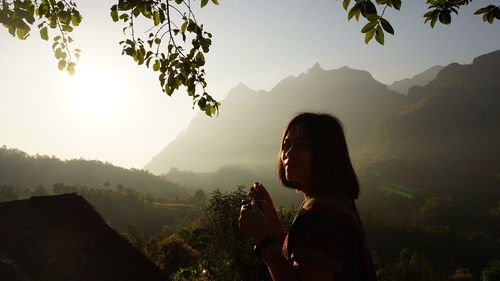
(114, 111)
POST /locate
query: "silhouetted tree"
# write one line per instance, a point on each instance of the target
(7, 193)
(171, 254)
(491, 272)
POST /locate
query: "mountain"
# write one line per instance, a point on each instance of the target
(19, 169)
(402, 86)
(248, 130)
(447, 136)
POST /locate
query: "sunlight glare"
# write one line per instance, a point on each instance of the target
(97, 93)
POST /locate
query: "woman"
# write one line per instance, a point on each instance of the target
(326, 240)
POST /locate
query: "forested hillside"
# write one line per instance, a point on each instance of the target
(18, 169)
(447, 137)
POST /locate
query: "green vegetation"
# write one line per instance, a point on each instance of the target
(120, 206)
(429, 176)
(196, 237)
(443, 228)
(176, 44)
(491, 272)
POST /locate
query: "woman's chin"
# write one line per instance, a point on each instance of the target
(294, 183)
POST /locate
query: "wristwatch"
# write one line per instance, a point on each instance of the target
(263, 244)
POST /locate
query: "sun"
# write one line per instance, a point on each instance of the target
(97, 92)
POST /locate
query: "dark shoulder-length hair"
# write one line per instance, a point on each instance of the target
(331, 166)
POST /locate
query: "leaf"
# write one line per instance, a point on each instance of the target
(124, 17)
(379, 35)
(484, 9)
(369, 35)
(216, 2)
(387, 26)
(156, 65)
(445, 17)
(202, 103)
(67, 28)
(156, 18)
(75, 20)
(71, 68)
(137, 11)
(162, 16)
(345, 4)
(114, 15)
(213, 110)
(192, 26)
(490, 17)
(372, 17)
(61, 65)
(353, 11)
(184, 27)
(396, 4)
(200, 59)
(58, 53)
(358, 13)
(369, 8)
(22, 33)
(204, 3)
(168, 89)
(429, 14)
(369, 26)
(433, 21)
(485, 17)
(44, 34)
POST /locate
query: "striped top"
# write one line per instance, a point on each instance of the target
(327, 231)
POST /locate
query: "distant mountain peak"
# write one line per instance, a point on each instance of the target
(316, 68)
(240, 86)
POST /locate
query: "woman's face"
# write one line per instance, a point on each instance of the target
(296, 157)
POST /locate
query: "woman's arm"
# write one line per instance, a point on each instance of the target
(282, 269)
(252, 222)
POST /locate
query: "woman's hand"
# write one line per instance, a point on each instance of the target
(259, 194)
(252, 222)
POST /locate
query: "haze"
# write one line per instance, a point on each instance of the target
(114, 111)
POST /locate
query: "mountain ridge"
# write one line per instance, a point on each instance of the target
(247, 112)
(420, 79)
(453, 123)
